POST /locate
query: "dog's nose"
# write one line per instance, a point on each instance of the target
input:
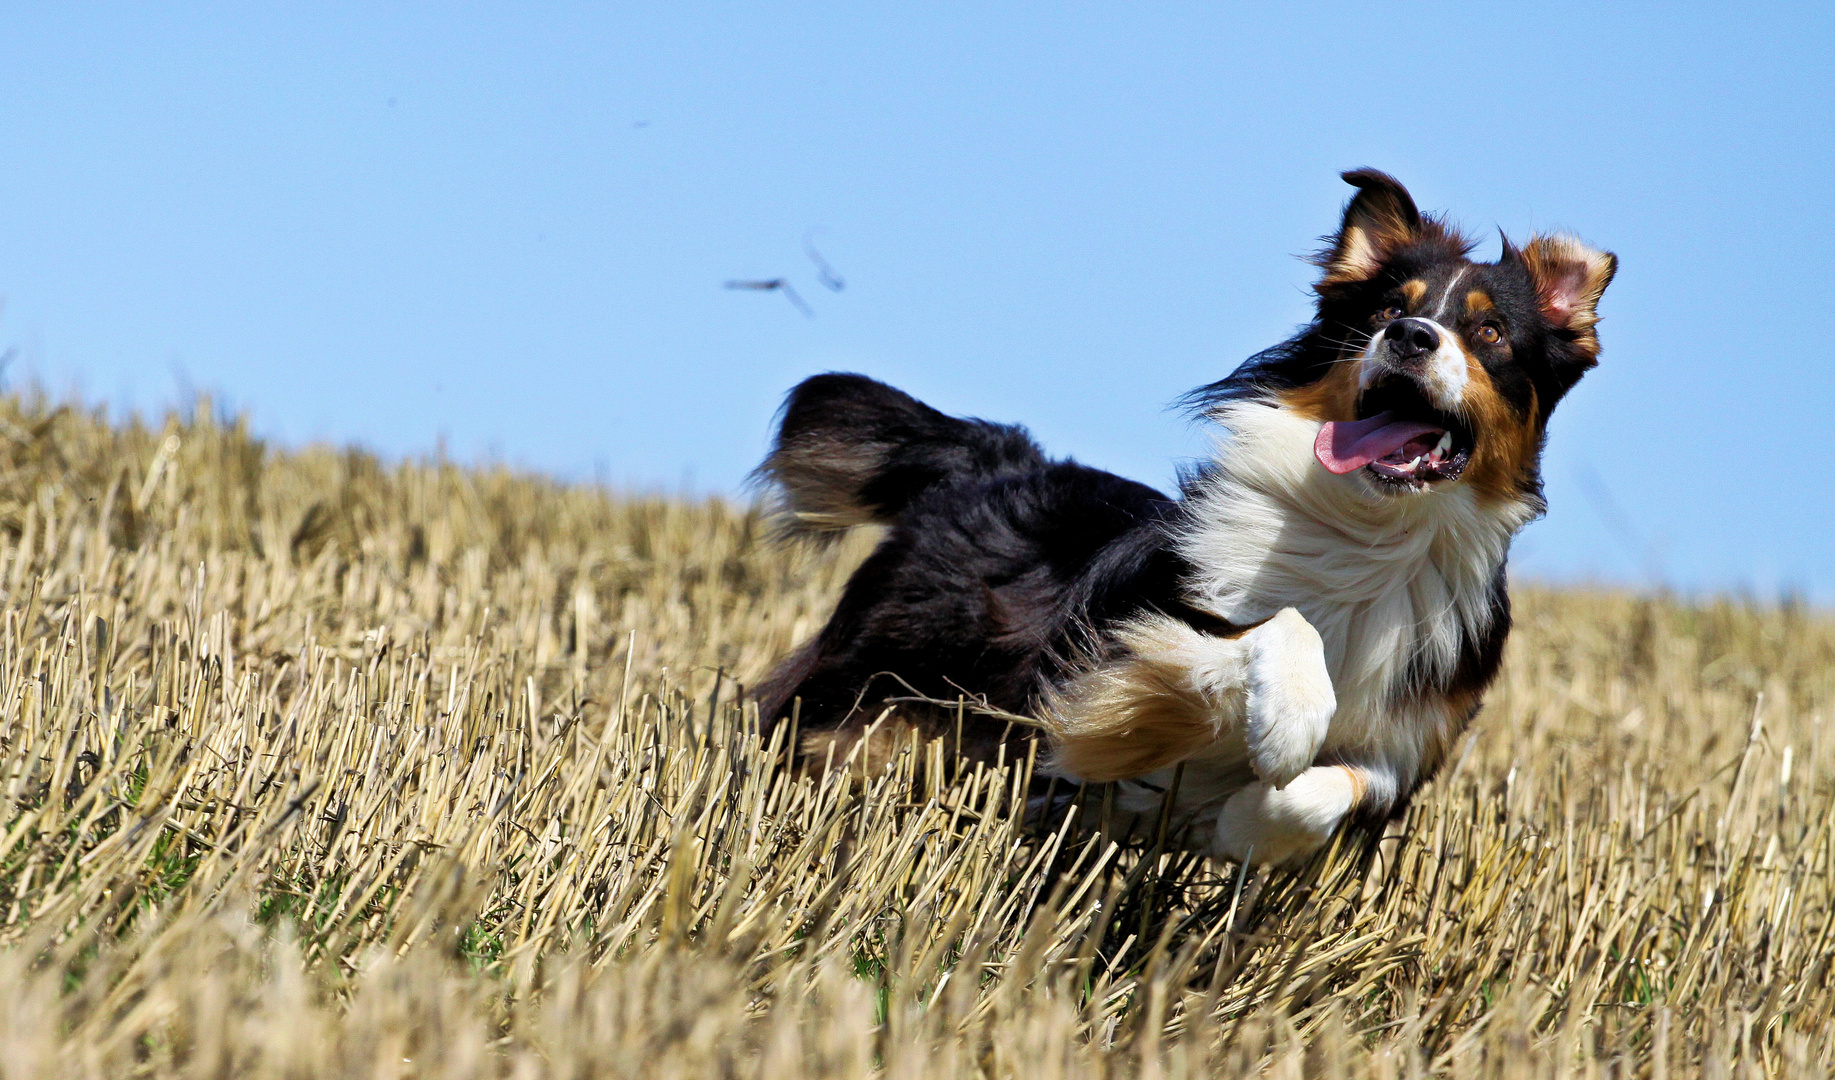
(1411, 339)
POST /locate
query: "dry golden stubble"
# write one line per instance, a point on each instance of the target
(318, 766)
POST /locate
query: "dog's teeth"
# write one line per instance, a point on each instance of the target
(1446, 444)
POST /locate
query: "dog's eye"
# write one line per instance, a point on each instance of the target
(1489, 335)
(1390, 314)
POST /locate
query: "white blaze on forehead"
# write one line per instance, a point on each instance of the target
(1447, 296)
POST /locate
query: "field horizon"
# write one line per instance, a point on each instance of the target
(319, 766)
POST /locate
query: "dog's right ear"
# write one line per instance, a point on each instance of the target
(1379, 220)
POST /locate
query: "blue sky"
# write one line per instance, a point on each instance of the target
(508, 226)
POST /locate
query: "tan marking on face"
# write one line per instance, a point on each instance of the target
(1414, 289)
(1478, 301)
(1506, 441)
(1331, 398)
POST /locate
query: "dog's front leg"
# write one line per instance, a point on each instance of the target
(1290, 699)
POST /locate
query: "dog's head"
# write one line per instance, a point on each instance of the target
(1423, 368)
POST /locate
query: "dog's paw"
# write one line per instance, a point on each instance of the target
(1290, 700)
(1267, 826)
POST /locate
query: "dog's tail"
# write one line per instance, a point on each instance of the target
(852, 451)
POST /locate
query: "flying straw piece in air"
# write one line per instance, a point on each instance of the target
(824, 272)
(778, 285)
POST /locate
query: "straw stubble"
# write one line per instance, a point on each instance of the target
(318, 767)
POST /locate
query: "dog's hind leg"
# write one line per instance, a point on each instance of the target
(1176, 691)
(1170, 693)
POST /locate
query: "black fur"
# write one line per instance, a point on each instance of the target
(1002, 570)
(998, 565)
(1540, 363)
(873, 449)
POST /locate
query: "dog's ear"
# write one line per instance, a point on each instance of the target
(1379, 220)
(1569, 278)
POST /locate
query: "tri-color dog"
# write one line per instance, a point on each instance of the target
(1307, 628)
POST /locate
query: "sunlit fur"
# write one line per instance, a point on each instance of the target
(1261, 699)
(1397, 588)
(1284, 648)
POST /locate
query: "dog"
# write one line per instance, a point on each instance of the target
(1298, 638)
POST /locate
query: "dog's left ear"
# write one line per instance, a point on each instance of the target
(1569, 278)
(1378, 221)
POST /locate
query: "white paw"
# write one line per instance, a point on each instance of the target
(1291, 701)
(1266, 825)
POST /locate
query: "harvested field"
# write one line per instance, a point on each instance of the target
(317, 767)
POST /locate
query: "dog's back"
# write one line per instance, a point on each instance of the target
(995, 559)
(1298, 641)
(851, 451)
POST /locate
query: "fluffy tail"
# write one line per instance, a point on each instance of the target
(852, 451)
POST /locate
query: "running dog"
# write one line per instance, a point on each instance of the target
(1301, 635)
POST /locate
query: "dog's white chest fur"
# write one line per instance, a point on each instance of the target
(1393, 584)
(1360, 605)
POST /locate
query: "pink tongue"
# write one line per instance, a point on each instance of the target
(1351, 444)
